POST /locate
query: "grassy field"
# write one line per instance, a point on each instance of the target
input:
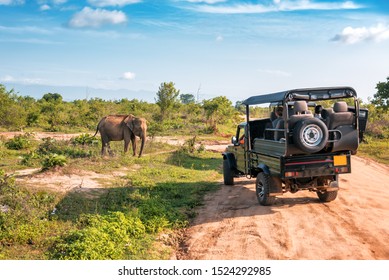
(136, 215)
(377, 149)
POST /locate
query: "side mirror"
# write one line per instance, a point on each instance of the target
(234, 141)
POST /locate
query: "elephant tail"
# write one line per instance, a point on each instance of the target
(98, 126)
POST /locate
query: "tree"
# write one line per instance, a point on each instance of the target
(240, 107)
(12, 115)
(187, 98)
(381, 98)
(52, 97)
(218, 110)
(166, 98)
(52, 109)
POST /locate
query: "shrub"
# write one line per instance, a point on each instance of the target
(29, 159)
(19, 142)
(114, 236)
(50, 145)
(23, 215)
(84, 139)
(53, 160)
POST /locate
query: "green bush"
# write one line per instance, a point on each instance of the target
(84, 139)
(114, 236)
(52, 146)
(30, 158)
(24, 214)
(19, 142)
(53, 160)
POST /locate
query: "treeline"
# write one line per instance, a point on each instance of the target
(172, 111)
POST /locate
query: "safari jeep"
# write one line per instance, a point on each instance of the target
(304, 144)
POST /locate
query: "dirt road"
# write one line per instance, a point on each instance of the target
(232, 225)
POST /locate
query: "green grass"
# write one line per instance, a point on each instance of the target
(377, 149)
(157, 195)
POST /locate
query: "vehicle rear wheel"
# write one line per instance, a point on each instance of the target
(310, 135)
(262, 189)
(327, 196)
(228, 175)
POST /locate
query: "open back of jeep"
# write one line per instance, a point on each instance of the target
(304, 144)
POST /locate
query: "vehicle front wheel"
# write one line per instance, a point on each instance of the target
(228, 175)
(327, 196)
(262, 189)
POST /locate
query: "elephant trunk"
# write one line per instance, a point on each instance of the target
(143, 139)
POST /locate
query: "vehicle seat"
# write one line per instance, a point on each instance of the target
(340, 115)
(300, 111)
(325, 114)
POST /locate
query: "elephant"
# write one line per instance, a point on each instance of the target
(122, 127)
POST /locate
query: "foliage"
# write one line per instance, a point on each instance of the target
(19, 142)
(13, 112)
(52, 113)
(166, 98)
(187, 98)
(381, 98)
(113, 236)
(24, 215)
(378, 149)
(218, 110)
(30, 158)
(53, 160)
(84, 139)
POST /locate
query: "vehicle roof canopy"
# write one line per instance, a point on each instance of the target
(309, 94)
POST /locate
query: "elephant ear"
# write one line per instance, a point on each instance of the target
(129, 122)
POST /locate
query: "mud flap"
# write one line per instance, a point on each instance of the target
(333, 186)
(275, 186)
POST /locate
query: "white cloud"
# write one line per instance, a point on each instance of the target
(111, 3)
(219, 38)
(206, 1)
(275, 6)
(128, 76)
(351, 35)
(28, 81)
(24, 29)
(44, 7)
(11, 2)
(95, 18)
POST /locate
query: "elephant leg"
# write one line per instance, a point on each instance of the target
(126, 144)
(103, 148)
(110, 152)
(133, 141)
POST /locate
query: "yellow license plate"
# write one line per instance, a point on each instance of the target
(340, 160)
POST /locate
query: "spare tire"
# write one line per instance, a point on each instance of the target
(310, 135)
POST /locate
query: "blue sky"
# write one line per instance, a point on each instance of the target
(126, 48)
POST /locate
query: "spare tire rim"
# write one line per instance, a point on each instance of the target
(312, 135)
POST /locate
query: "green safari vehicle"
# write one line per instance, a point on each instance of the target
(304, 144)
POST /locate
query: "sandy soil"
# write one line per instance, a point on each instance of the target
(232, 225)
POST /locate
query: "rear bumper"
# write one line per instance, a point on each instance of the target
(315, 165)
